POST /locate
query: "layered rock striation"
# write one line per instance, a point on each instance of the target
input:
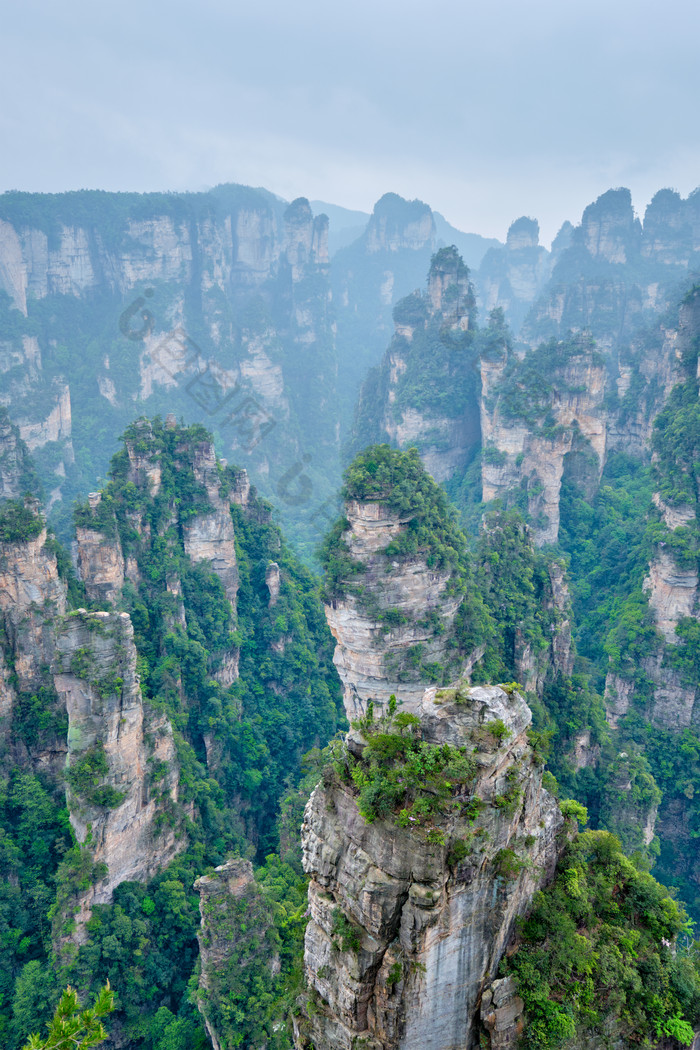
(215, 298)
(122, 772)
(431, 830)
(234, 941)
(408, 923)
(401, 604)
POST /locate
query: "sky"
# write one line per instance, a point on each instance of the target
(485, 111)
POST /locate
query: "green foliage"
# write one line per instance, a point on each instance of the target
(498, 730)
(394, 975)
(676, 444)
(34, 835)
(528, 387)
(73, 1028)
(401, 772)
(285, 701)
(399, 480)
(573, 810)
(507, 864)
(597, 950)
(347, 933)
(609, 548)
(86, 777)
(18, 522)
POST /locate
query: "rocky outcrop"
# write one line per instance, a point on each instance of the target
(515, 451)
(511, 278)
(122, 772)
(16, 472)
(614, 274)
(429, 919)
(238, 267)
(429, 351)
(396, 605)
(100, 561)
(232, 939)
(502, 1012)
(209, 537)
(55, 426)
(399, 224)
(672, 592)
(562, 409)
(31, 596)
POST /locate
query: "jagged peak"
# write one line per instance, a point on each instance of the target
(523, 233)
(17, 474)
(299, 212)
(398, 223)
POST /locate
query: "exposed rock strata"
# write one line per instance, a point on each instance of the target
(502, 1012)
(231, 935)
(31, 596)
(371, 655)
(431, 934)
(100, 564)
(95, 676)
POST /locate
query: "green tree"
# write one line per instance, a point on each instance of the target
(73, 1028)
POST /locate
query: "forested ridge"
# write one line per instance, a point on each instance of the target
(558, 602)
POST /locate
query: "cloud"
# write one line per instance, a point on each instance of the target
(485, 112)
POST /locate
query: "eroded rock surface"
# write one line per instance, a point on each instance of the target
(430, 929)
(402, 604)
(129, 819)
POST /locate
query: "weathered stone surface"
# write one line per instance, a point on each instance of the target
(31, 595)
(95, 676)
(672, 592)
(525, 453)
(100, 564)
(430, 934)
(13, 460)
(370, 655)
(502, 1013)
(234, 921)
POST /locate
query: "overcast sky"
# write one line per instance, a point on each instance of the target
(486, 111)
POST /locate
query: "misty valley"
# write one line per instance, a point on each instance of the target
(349, 625)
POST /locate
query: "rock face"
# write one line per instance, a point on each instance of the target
(100, 564)
(232, 938)
(430, 350)
(671, 695)
(615, 274)
(502, 1014)
(129, 821)
(15, 468)
(516, 450)
(429, 929)
(410, 914)
(402, 604)
(209, 537)
(562, 409)
(31, 595)
(511, 278)
(238, 267)
(672, 592)
(397, 224)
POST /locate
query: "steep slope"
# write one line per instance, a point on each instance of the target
(161, 720)
(425, 391)
(216, 305)
(616, 272)
(431, 831)
(410, 913)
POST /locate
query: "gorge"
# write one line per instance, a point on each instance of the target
(340, 809)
